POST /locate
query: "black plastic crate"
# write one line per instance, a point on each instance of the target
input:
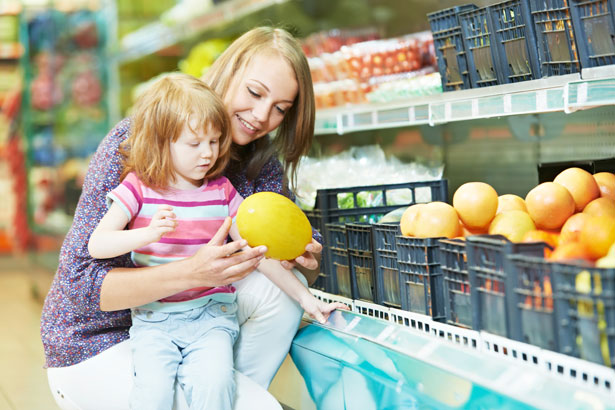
(339, 278)
(420, 277)
(515, 40)
(450, 50)
(481, 48)
(488, 268)
(594, 30)
(361, 260)
(547, 171)
(555, 37)
(327, 211)
(385, 264)
(533, 317)
(585, 309)
(454, 267)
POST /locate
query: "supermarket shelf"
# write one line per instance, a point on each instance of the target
(158, 36)
(564, 93)
(552, 371)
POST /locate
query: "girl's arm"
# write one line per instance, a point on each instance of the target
(110, 239)
(290, 284)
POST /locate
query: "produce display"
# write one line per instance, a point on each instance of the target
(66, 111)
(273, 220)
(361, 71)
(574, 214)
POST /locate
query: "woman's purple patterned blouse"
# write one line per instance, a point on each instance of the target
(73, 328)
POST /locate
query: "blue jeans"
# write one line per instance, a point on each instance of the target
(195, 346)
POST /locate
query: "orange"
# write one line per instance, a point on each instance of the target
(549, 204)
(437, 219)
(606, 184)
(571, 230)
(510, 202)
(540, 235)
(476, 204)
(465, 231)
(600, 206)
(408, 219)
(512, 224)
(570, 251)
(598, 234)
(581, 185)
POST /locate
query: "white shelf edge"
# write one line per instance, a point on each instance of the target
(537, 90)
(580, 373)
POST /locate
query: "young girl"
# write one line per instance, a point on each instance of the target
(173, 199)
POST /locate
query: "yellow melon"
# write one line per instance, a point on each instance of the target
(273, 220)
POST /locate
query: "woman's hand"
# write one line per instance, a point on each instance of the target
(218, 264)
(309, 260)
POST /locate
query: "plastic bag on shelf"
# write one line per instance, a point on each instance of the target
(360, 166)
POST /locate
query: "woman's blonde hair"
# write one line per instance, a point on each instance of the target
(294, 136)
(160, 114)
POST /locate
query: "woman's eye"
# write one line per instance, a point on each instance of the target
(253, 93)
(280, 110)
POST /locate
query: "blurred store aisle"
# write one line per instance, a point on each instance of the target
(23, 381)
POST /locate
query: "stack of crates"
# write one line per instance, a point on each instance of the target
(348, 254)
(420, 277)
(454, 267)
(501, 44)
(519, 40)
(450, 50)
(490, 280)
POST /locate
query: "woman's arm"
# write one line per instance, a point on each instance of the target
(214, 264)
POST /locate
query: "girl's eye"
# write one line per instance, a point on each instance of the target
(253, 93)
(194, 144)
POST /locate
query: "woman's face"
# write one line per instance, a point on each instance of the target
(261, 97)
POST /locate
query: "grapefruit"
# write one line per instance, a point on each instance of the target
(571, 230)
(476, 203)
(606, 184)
(600, 207)
(408, 219)
(598, 235)
(581, 185)
(570, 251)
(437, 219)
(273, 220)
(550, 205)
(510, 202)
(512, 224)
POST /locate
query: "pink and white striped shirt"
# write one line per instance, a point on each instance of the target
(200, 212)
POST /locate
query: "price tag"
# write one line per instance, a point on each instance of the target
(541, 100)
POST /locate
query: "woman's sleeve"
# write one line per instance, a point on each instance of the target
(80, 275)
(271, 179)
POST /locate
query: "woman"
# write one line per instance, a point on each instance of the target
(264, 81)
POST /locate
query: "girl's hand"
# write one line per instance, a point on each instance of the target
(162, 223)
(308, 259)
(320, 310)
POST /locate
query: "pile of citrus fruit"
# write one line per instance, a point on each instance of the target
(574, 214)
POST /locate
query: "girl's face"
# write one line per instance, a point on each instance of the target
(193, 155)
(261, 97)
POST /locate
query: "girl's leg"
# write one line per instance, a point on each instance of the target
(206, 372)
(269, 320)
